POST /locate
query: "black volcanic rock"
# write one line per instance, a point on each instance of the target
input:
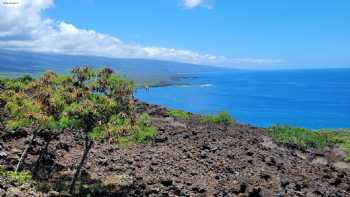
(210, 161)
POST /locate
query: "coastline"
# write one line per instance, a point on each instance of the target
(172, 81)
(262, 98)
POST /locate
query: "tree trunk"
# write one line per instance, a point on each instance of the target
(40, 158)
(25, 153)
(88, 145)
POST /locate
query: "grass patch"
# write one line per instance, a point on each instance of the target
(341, 138)
(300, 137)
(139, 136)
(178, 114)
(304, 138)
(142, 132)
(20, 177)
(15, 83)
(219, 118)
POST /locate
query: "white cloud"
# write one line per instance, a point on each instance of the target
(192, 3)
(196, 3)
(22, 27)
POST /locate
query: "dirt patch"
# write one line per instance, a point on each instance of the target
(342, 165)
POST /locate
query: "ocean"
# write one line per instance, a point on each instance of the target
(311, 99)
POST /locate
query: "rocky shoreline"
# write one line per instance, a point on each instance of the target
(186, 158)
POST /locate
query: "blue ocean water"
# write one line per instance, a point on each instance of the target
(305, 98)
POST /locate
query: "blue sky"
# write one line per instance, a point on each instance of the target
(237, 33)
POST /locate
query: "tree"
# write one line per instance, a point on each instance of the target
(101, 100)
(98, 104)
(50, 94)
(35, 104)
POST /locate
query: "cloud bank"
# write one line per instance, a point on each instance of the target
(23, 27)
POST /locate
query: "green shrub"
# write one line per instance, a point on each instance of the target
(341, 138)
(141, 132)
(300, 137)
(15, 83)
(178, 114)
(20, 177)
(220, 118)
(304, 138)
(345, 146)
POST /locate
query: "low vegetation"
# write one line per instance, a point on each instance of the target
(141, 134)
(341, 137)
(178, 114)
(15, 83)
(220, 118)
(302, 138)
(19, 177)
(299, 137)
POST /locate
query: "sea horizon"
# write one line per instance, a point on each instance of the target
(309, 98)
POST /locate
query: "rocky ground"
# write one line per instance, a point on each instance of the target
(186, 158)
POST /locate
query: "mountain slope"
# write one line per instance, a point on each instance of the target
(141, 70)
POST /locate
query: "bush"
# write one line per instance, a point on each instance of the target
(15, 83)
(220, 118)
(342, 139)
(142, 132)
(300, 137)
(304, 138)
(345, 146)
(178, 114)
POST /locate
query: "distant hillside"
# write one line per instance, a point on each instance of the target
(140, 70)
